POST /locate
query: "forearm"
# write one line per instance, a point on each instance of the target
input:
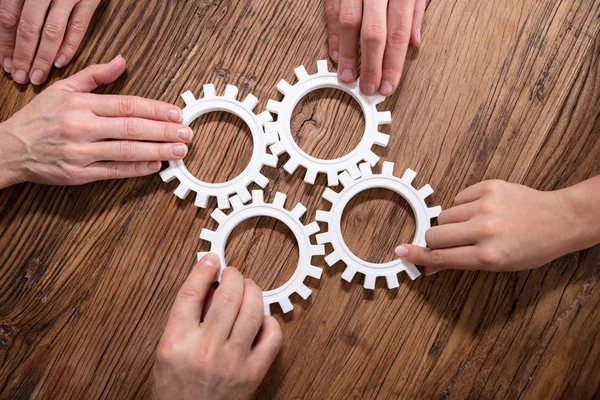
(583, 204)
(10, 166)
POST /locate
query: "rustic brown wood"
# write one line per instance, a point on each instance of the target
(500, 89)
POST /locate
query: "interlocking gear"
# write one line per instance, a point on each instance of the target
(258, 208)
(286, 144)
(386, 180)
(238, 185)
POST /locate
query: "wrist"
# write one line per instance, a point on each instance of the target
(581, 215)
(11, 167)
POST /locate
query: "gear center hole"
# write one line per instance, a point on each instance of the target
(221, 149)
(374, 222)
(265, 250)
(327, 123)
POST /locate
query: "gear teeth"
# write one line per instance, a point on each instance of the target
(243, 194)
(425, 192)
(314, 272)
(201, 200)
(223, 201)
(371, 157)
(392, 281)
(325, 237)
(434, 212)
(322, 67)
(200, 255)
(310, 177)
(369, 282)
(271, 137)
(267, 308)
(188, 98)
(317, 250)
(330, 195)
(208, 235)
(311, 228)
(345, 179)
(237, 202)
(264, 117)
(258, 197)
(365, 169)
(291, 165)
(182, 191)
(286, 305)
(384, 117)
(381, 139)
(250, 102)
(261, 180)
(272, 127)
(209, 90)
(277, 148)
(303, 291)
(279, 199)
(284, 87)
(387, 169)
(168, 174)
(231, 92)
(323, 216)
(218, 216)
(348, 274)
(408, 176)
(274, 106)
(270, 160)
(298, 211)
(376, 99)
(354, 171)
(301, 73)
(332, 178)
(332, 259)
(412, 271)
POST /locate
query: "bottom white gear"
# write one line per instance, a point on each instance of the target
(386, 180)
(302, 233)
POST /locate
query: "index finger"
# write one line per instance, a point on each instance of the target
(187, 308)
(464, 257)
(332, 12)
(132, 106)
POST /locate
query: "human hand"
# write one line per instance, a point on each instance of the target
(68, 136)
(34, 34)
(497, 226)
(217, 344)
(383, 29)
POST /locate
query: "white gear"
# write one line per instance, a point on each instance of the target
(238, 185)
(386, 180)
(286, 144)
(258, 208)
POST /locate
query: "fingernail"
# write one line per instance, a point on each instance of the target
(7, 64)
(37, 77)
(386, 88)
(184, 133)
(210, 259)
(179, 150)
(369, 89)
(435, 271)
(249, 280)
(174, 115)
(115, 59)
(419, 35)
(334, 55)
(154, 165)
(20, 76)
(347, 75)
(60, 61)
(401, 251)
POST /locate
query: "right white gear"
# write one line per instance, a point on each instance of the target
(292, 94)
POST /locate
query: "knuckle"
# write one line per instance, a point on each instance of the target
(132, 128)
(228, 297)
(126, 150)
(189, 293)
(398, 37)
(487, 206)
(488, 228)
(68, 126)
(78, 26)
(437, 258)
(331, 11)
(166, 352)
(373, 34)
(126, 106)
(53, 32)
(490, 258)
(167, 134)
(349, 21)
(391, 70)
(113, 171)
(9, 19)
(492, 187)
(28, 29)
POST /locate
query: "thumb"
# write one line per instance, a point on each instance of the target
(93, 76)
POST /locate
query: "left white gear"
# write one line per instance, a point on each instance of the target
(260, 157)
(258, 208)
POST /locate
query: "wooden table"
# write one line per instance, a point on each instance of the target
(499, 89)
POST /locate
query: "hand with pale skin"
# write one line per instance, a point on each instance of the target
(69, 136)
(36, 34)
(500, 226)
(217, 343)
(379, 33)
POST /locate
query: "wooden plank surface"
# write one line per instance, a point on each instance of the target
(499, 89)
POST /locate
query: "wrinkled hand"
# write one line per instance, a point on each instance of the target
(217, 345)
(497, 226)
(383, 29)
(34, 34)
(68, 136)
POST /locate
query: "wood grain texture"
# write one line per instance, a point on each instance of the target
(499, 89)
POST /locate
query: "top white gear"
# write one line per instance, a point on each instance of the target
(238, 185)
(306, 250)
(286, 144)
(387, 180)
